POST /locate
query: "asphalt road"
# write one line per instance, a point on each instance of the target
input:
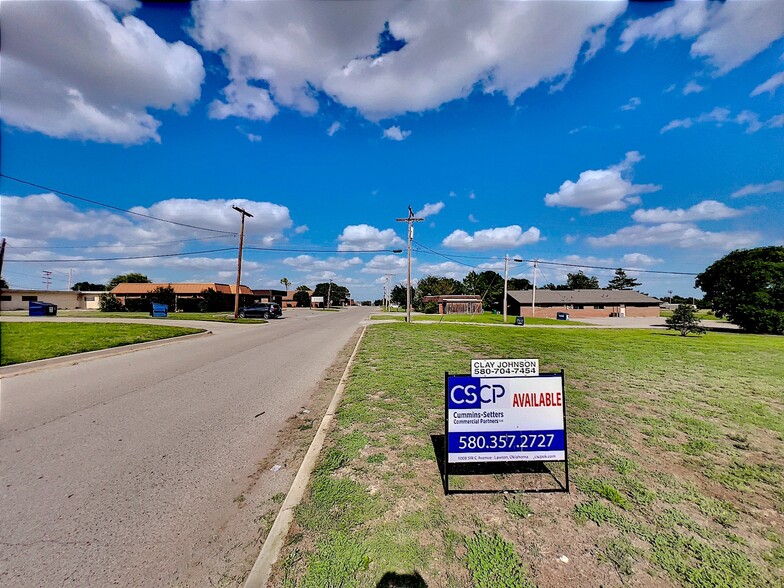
(112, 470)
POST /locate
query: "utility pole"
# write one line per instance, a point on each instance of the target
(533, 293)
(329, 294)
(506, 279)
(47, 278)
(389, 292)
(70, 278)
(243, 214)
(411, 219)
(2, 254)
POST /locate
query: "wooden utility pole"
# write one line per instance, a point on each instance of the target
(411, 219)
(329, 294)
(2, 254)
(243, 214)
(533, 293)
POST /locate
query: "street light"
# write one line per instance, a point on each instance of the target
(506, 278)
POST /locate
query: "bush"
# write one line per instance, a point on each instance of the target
(109, 303)
(684, 319)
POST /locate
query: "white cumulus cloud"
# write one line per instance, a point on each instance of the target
(633, 259)
(632, 104)
(497, 238)
(430, 209)
(727, 34)
(74, 70)
(301, 48)
(770, 85)
(386, 264)
(705, 210)
(366, 237)
(692, 88)
(602, 190)
(396, 134)
(683, 235)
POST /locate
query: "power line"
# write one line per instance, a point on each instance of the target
(124, 245)
(71, 260)
(324, 250)
(95, 202)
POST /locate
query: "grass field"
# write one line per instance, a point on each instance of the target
(676, 457)
(219, 317)
(484, 318)
(22, 342)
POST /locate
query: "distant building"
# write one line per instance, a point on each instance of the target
(456, 303)
(19, 299)
(187, 295)
(582, 303)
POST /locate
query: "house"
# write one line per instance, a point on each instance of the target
(19, 299)
(187, 296)
(270, 295)
(456, 303)
(582, 303)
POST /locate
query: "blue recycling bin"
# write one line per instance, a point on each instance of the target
(159, 310)
(41, 309)
(562, 316)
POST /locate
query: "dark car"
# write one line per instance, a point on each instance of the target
(262, 309)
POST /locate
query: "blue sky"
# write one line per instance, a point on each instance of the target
(644, 136)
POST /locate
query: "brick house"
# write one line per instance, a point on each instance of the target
(582, 303)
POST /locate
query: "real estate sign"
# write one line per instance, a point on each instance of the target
(505, 418)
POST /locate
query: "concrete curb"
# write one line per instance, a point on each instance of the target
(260, 573)
(32, 366)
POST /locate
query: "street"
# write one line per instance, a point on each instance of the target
(132, 469)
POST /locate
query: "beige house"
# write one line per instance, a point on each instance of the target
(64, 299)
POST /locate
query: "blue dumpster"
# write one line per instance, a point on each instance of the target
(41, 309)
(562, 316)
(159, 310)
(520, 320)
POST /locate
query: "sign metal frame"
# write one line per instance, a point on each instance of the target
(484, 467)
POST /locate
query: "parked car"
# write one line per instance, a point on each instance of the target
(261, 309)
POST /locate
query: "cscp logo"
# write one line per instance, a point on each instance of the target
(467, 392)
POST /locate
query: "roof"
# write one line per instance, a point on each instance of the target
(453, 298)
(583, 297)
(137, 289)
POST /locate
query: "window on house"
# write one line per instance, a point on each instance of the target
(5, 298)
(599, 306)
(577, 306)
(29, 298)
(89, 298)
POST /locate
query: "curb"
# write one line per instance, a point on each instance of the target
(40, 364)
(260, 573)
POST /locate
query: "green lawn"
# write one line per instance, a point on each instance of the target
(485, 317)
(22, 342)
(676, 449)
(220, 317)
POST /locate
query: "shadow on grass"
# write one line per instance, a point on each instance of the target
(490, 468)
(395, 580)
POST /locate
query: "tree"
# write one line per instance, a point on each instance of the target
(747, 287)
(164, 295)
(212, 301)
(87, 286)
(488, 284)
(3, 283)
(302, 298)
(302, 287)
(518, 284)
(131, 278)
(622, 282)
(580, 281)
(338, 294)
(398, 295)
(551, 286)
(434, 286)
(285, 282)
(684, 319)
(110, 303)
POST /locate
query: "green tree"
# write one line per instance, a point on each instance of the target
(684, 319)
(164, 295)
(3, 283)
(622, 282)
(212, 301)
(518, 284)
(302, 287)
(747, 287)
(580, 281)
(132, 278)
(302, 298)
(434, 286)
(110, 303)
(337, 293)
(398, 295)
(87, 286)
(285, 282)
(488, 284)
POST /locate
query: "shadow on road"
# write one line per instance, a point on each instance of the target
(395, 580)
